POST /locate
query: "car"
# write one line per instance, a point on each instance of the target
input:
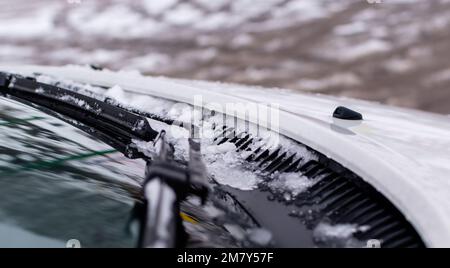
(116, 159)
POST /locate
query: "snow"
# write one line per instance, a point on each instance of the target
(86, 57)
(150, 104)
(227, 167)
(291, 184)
(117, 93)
(220, 149)
(38, 24)
(336, 80)
(85, 19)
(403, 1)
(214, 21)
(7, 51)
(76, 101)
(309, 10)
(242, 40)
(439, 77)
(158, 6)
(147, 103)
(396, 129)
(398, 66)
(338, 235)
(339, 230)
(274, 45)
(365, 49)
(100, 56)
(97, 18)
(351, 28)
(183, 14)
(235, 230)
(88, 90)
(147, 148)
(151, 62)
(257, 74)
(155, 37)
(233, 176)
(212, 5)
(183, 113)
(366, 15)
(251, 9)
(259, 236)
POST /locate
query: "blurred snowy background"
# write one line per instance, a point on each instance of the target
(392, 51)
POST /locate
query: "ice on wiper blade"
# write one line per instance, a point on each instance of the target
(100, 115)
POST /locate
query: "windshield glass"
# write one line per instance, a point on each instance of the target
(58, 183)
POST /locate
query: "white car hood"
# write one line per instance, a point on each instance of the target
(404, 154)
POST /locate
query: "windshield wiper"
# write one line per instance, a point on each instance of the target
(108, 119)
(166, 184)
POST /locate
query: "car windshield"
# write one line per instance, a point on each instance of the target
(58, 183)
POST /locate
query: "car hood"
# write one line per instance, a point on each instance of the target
(403, 153)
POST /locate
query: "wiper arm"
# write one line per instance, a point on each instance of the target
(166, 183)
(102, 116)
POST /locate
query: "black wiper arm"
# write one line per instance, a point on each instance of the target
(98, 114)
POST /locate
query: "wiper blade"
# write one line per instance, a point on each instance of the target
(102, 116)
